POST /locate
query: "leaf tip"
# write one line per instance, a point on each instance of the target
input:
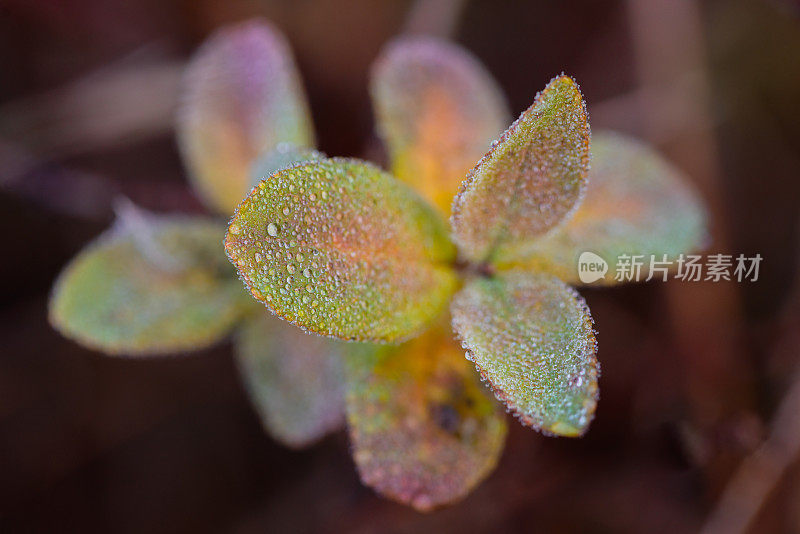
(532, 340)
(531, 180)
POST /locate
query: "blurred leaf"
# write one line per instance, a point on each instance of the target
(438, 110)
(165, 288)
(531, 337)
(424, 430)
(282, 156)
(636, 204)
(294, 380)
(341, 248)
(530, 181)
(241, 97)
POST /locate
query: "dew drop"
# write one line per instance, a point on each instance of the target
(272, 229)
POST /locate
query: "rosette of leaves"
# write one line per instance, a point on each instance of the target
(346, 250)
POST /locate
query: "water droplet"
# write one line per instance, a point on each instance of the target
(307, 272)
(290, 268)
(272, 229)
(235, 230)
(258, 257)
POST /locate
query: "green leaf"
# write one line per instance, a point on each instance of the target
(636, 204)
(438, 110)
(531, 337)
(241, 96)
(153, 286)
(424, 430)
(341, 248)
(531, 179)
(295, 381)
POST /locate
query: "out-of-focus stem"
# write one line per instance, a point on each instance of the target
(105, 108)
(141, 226)
(761, 472)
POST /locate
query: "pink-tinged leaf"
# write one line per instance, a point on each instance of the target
(241, 97)
(636, 204)
(530, 181)
(342, 249)
(531, 337)
(424, 430)
(154, 286)
(438, 110)
(295, 381)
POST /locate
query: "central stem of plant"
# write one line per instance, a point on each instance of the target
(467, 268)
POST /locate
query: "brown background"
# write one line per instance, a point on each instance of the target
(692, 374)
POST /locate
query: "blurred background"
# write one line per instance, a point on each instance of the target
(699, 423)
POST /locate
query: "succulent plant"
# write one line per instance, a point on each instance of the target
(343, 249)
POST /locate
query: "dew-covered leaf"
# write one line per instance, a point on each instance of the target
(295, 380)
(241, 97)
(531, 337)
(164, 287)
(341, 248)
(438, 110)
(424, 430)
(282, 156)
(533, 177)
(636, 204)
